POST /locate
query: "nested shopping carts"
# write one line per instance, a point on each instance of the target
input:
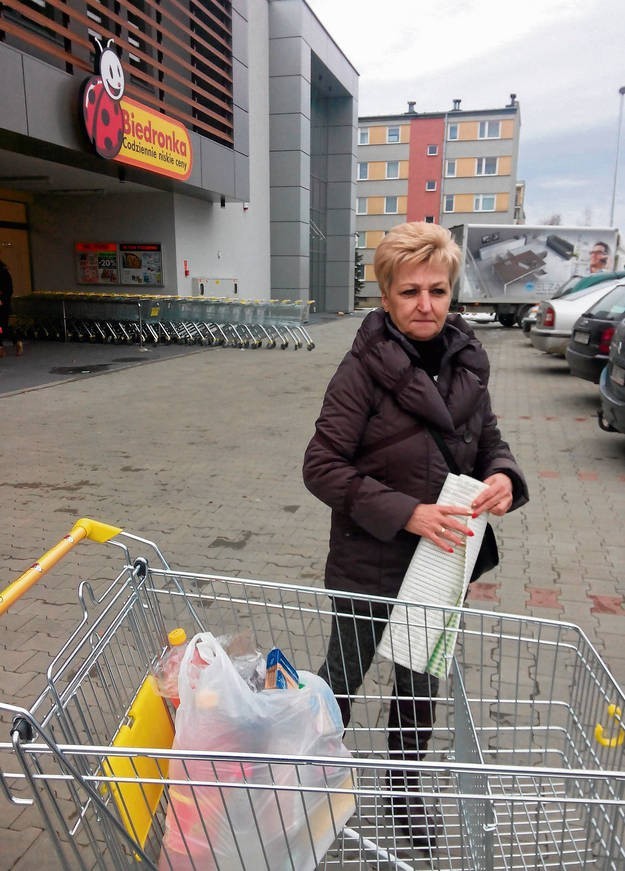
(149, 319)
(525, 769)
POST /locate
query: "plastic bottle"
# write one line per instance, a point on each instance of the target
(168, 667)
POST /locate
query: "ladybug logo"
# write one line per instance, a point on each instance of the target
(101, 111)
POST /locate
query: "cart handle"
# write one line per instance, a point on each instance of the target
(615, 713)
(83, 528)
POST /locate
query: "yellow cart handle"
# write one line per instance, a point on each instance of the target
(83, 528)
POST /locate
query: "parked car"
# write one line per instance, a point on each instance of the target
(612, 385)
(574, 284)
(556, 317)
(587, 352)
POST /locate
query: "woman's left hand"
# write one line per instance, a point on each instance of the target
(497, 498)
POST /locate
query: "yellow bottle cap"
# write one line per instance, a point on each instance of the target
(176, 637)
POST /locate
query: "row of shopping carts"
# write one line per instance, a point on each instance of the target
(134, 319)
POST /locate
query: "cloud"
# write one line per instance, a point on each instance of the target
(565, 183)
(563, 60)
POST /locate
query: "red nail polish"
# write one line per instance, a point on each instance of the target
(450, 550)
(474, 516)
(470, 533)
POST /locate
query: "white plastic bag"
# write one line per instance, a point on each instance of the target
(235, 827)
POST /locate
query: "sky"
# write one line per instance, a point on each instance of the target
(564, 59)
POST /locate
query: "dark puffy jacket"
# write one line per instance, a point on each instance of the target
(372, 458)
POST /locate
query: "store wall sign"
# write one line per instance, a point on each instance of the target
(120, 263)
(153, 141)
(96, 262)
(141, 263)
(124, 130)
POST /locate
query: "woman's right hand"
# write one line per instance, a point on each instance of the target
(440, 524)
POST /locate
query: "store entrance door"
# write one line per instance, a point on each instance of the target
(14, 245)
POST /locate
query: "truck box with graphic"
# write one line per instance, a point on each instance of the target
(509, 267)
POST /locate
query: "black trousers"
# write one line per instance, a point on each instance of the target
(353, 641)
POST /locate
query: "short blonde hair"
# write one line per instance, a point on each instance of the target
(415, 242)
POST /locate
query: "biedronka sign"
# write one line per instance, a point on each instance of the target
(124, 130)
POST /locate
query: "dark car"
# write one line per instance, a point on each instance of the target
(588, 349)
(612, 385)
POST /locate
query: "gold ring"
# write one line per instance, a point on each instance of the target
(443, 530)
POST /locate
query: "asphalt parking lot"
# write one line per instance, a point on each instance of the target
(200, 450)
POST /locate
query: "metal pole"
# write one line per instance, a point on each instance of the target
(618, 149)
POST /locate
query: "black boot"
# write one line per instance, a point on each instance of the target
(411, 718)
(408, 810)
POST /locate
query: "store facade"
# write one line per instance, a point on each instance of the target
(145, 149)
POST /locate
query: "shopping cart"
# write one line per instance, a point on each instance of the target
(525, 769)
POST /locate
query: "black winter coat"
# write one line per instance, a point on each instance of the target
(373, 460)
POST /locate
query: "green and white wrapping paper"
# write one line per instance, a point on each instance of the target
(423, 639)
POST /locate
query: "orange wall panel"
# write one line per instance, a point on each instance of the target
(377, 170)
(373, 238)
(375, 206)
(377, 135)
(507, 128)
(370, 272)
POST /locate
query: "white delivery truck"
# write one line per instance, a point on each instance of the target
(507, 268)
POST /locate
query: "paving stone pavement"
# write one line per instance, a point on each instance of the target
(200, 450)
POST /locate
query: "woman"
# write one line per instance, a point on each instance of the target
(6, 295)
(413, 368)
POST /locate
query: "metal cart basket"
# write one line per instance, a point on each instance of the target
(525, 769)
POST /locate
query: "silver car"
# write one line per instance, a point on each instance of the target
(556, 317)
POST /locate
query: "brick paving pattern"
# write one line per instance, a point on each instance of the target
(200, 450)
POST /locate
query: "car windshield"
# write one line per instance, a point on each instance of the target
(612, 306)
(578, 294)
(568, 287)
(576, 283)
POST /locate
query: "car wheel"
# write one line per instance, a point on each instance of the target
(507, 319)
(522, 311)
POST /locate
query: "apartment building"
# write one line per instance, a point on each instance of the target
(190, 139)
(451, 168)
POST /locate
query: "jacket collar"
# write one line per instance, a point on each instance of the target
(390, 360)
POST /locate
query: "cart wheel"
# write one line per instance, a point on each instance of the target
(140, 568)
(310, 346)
(23, 728)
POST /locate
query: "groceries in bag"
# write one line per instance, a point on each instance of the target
(168, 667)
(248, 661)
(233, 812)
(280, 674)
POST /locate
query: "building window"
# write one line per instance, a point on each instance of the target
(448, 203)
(390, 205)
(361, 240)
(392, 134)
(432, 150)
(363, 171)
(489, 130)
(429, 219)
(484, 203)
(450, 168)
(430, 185)
(363, 136)
(452, 131)
(486, 166)
(361, 205)
(392, 169)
